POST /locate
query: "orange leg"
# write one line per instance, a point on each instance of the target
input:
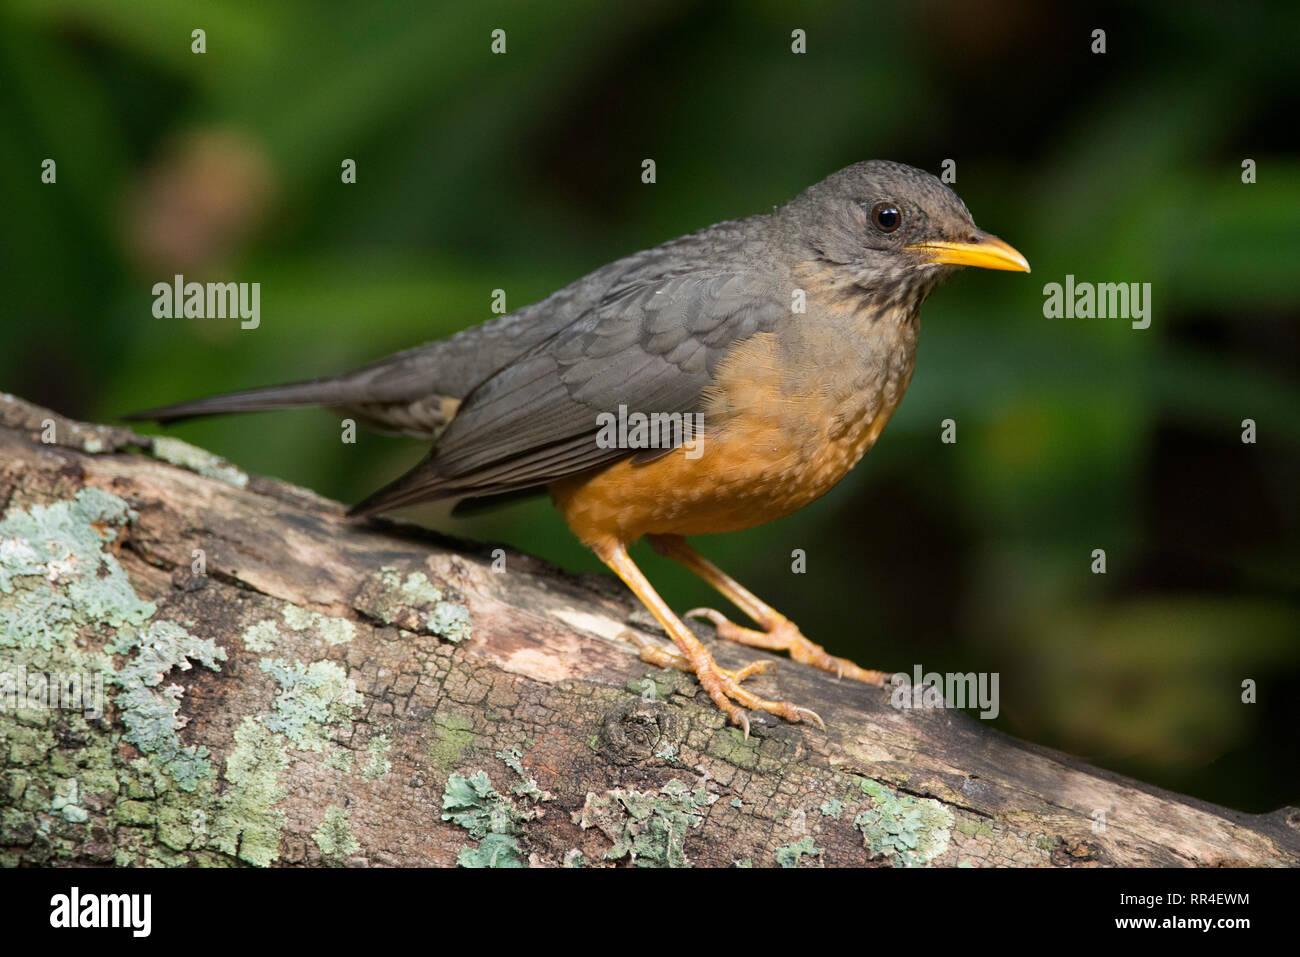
(778, 632)
(722, 686)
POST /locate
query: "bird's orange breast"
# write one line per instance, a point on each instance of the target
(741, 480)
(775, 440)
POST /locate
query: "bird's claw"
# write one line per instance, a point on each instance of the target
(724, 685)
(783, 635)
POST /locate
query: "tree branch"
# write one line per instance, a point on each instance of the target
(283, 686)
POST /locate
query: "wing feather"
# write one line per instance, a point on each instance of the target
(651, 344)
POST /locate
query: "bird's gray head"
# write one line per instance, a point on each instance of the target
(891, 229)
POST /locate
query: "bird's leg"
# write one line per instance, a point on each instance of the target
(777, 632)
(722, 686)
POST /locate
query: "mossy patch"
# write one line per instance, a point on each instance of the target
(452, 735)
(730, 744)
(972, 827)
(658, 684)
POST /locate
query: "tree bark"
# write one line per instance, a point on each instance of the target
(282, 686)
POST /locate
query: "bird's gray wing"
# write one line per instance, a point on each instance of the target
(651, 345)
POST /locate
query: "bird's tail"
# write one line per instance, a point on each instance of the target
(404, 392)
(314, 392)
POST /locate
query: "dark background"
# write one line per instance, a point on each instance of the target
(522, 172)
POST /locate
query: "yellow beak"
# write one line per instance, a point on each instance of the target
(987, 252)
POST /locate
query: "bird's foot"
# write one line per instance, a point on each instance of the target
(723, 686)
(781, 634)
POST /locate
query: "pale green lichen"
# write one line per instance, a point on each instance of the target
(65, 802)
(66, 605)
(513, 759)
(666, 751)
(910, 831)
(248, 823)
(198, 460)
(527, 787)
(313, 703)
(450, 621)
(151, 714)
(415, 603)
(334, 836)
(832, 808)
(56, 577)
(313, 699)
(489, 817)
(340, 759)
(378, 765)
(260, 637)
(333, 631)
(647, 827)
(495, 850)
(416, 589)
(792, 854)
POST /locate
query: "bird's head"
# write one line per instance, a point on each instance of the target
(892, 229)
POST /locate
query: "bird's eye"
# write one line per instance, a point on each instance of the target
(886, 217)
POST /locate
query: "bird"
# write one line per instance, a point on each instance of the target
(771, 349)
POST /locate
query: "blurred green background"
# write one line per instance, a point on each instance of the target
(522, 172)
